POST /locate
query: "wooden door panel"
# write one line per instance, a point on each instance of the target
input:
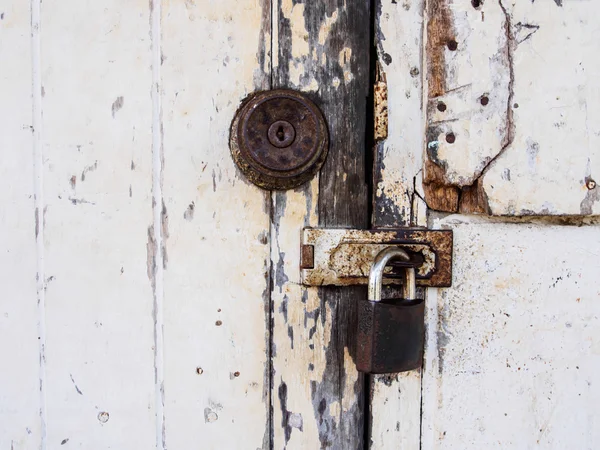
(515, 355)
(395, 400)
(20, 313)
(511, 115)
(97, 204)
(215, 229)
(319, 48)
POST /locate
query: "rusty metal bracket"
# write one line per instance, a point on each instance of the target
(343, 257)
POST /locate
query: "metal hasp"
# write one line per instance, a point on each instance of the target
(279, 139)
(342, 257)
(391, 332)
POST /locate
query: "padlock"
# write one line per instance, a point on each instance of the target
(391, 332)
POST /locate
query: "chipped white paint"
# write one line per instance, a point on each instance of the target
(301, 326)
(307, 411)
(100, 206)
(555, 151)
(216, 230)
(478, 67)
(400, 169)
(535, 142)
(143, 331)
(97, 187)
(326, 27)
(299, 47)
(21, 412)
(395, 401)
(512, 359)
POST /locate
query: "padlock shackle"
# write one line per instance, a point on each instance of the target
(376, 273)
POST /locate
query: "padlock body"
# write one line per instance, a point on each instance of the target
(391, 335)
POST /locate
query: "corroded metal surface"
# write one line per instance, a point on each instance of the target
(279, 139)
(390, 335)
(343, 257)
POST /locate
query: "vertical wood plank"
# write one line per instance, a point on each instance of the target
(96, 84)
(20, 399)
(215, 229)
(320, 48)
(396, 399)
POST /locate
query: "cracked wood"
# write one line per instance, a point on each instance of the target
(507, 95)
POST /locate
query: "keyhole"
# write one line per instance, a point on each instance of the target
(280, 133)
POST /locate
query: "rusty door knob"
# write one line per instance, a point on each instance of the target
(279, 139)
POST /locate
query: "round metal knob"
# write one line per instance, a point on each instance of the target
(279, 139)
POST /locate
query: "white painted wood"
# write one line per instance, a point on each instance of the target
(215, 229)
(301, 334)
(555, 153)
(396, 400)
(302, 324)
(400, 159)
(512, 360)
(533, 148)
(20, 399)
(479, 66)
(96, 137)
(316, 389)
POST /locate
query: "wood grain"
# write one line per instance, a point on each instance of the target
(503, 106)
(320, 49)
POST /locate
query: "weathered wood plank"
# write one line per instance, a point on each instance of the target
(20, 378)
(320, 48)
(96, 83)
(395, 400)
(398, 162)
(215, 229)
(511, 110)
(513, 358)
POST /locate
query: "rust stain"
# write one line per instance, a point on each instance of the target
(440, 35)
(440, 195)
(345, 258)
(307, 257)
(274, 153)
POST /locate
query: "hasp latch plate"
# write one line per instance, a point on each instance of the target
(342, 257)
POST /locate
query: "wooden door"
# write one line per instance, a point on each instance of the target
(507, 159)
(151, 295)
